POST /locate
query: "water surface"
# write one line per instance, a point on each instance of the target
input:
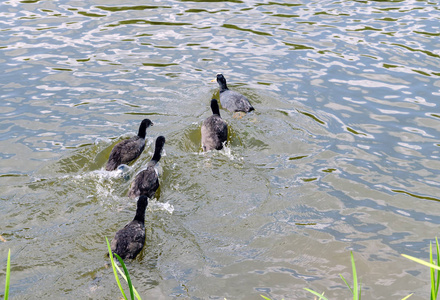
(341, 154)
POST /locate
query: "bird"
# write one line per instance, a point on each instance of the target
(146, 182)
(130, 240)
(128, 150)
(231, 100)
(214, 129)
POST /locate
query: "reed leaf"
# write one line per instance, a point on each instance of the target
(438, 264)
(321, 296)
(356, 287)
(356, 290)
(8, 275)
(422, 262)
(432, 273)
(346, 283)
(114, 269)
(123, 276)
(435, 282)
(127, 276)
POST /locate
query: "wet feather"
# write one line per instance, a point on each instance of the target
(214, 129)
(146, 182)
(231, 100)
(130, 240)
(128, 150)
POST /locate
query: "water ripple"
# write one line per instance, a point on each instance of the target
(341, 153)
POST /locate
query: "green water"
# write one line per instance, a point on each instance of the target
(341, 154)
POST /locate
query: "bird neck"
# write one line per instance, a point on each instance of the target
(215, 110)
(142, 131)
(156, 156)
(140, 214)
(222, 85)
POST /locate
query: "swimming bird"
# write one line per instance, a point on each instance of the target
(146, 182)
(128, 150)
(231, 100)
(130, 240)
(214, 129)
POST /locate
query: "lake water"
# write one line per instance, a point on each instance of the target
(341, 154)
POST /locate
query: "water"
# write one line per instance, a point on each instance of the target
(341, 154)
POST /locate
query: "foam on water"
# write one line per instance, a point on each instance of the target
(155, 205)
(100, 140)
(225, 151)
(104, 185)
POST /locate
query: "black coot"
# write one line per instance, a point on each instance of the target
(128, 150)
(146, 182)
(214, 129)
(231, 100)
(130, 240)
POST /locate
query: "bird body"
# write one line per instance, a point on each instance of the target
(214, 129)
(146, 182)
(125, 152)
(128, 150)
(231, 100)
(130, 240)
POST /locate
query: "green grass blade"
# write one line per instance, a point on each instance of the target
(114, 269)
(407, 297)
(432, 273)
(422, 262)
(438, 271)
(321, 296)
(123, 276)
(264, 297)
(8, 275)
(127, 276)
(356, 295)
(346, 283)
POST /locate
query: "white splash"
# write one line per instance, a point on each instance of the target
(155, 205)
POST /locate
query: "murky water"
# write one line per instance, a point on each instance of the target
(342, 152)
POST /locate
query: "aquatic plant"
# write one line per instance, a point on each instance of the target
(356, 290)
(124, 274)
(264, 297)
(8, 275)
(435, 280)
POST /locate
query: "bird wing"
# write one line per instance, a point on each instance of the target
(125, 152)
(214, 133)
(234, 101)
(128, 241)
(145, 183)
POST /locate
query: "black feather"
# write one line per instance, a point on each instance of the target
(130, 240)
(128, 150)
(214, 129)
(146, 182)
